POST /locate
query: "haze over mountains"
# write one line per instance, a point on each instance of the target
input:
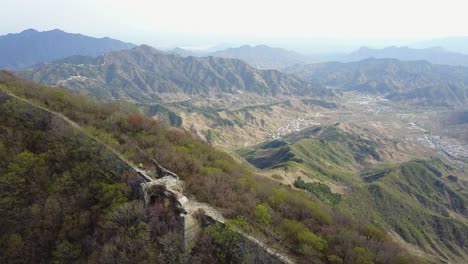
(434, 55)
(412, 81)
(262, 56)
(455, 44)
(357, 161)
(144, 73)
(259, 56)
(31, 47)
(266, 57)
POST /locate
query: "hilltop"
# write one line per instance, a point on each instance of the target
(31, 47)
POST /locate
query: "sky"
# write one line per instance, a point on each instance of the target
(209, 22)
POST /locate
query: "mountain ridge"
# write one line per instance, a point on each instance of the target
(144, 73)
(30, 47)
(419, 82)
(262, 56)
(434, 55)
(455, 43)
(415, 198)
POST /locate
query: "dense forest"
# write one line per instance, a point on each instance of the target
(64, 200)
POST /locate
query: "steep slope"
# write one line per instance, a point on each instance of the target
(323, 152)
(144, 74)
(262, 56)
(62, 194)
(81, 216)
(417, 201)
(434, 55)
(420, 201)
(31, 47)
(413, 81)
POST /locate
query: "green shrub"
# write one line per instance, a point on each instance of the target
(300, 234)
(334, 259)
(277, 197)
(374, 232)
(322, 191)
(320, 214)
(360, 255)
(262, 214)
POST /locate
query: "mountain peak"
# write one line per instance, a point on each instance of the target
(148, 49)
(262, 56)
(257, 47)
(34, 31)
(262, 46)
(145, 46)
(29, 31)
(30, 47)
(56, 30)
(363, 49)
(246, 46)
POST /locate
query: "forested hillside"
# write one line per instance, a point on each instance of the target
(70, 203)
(64, 199)
(420, 200)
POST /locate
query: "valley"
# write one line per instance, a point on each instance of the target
(269, 158)
(274, 218)
(402, 135)
(340, 145)
(417, 130)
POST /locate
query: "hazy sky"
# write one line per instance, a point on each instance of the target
(147, 20)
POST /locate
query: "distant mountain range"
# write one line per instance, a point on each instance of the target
(143, 73)
(435, 55)
(113, 69)
(265, 57)
(417, 81)
(31, 47)
(456, 44)
(184, 52)
(260, 56)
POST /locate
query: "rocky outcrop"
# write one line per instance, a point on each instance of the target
(167, 203)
